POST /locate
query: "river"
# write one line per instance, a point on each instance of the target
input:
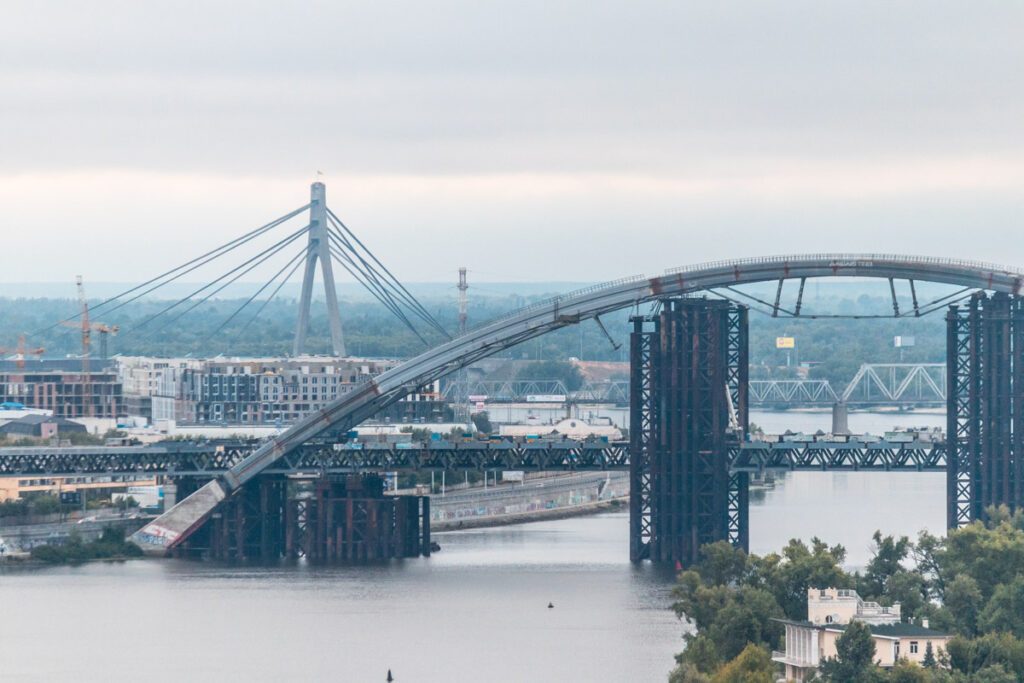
(476, 611)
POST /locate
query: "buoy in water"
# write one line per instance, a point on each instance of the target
(390, 677)
(551, 605)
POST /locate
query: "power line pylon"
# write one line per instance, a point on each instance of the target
(462, 397)
(318, 248)
(463, 286)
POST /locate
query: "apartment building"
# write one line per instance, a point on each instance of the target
(63, 387)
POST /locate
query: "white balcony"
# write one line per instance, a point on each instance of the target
(783, 658)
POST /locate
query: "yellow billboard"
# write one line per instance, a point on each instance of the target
(785, 342)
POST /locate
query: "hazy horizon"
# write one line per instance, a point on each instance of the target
(575, 142)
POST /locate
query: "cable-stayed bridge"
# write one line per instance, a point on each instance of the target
(305, 238)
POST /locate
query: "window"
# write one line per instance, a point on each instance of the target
(913, 647)
(828, 619)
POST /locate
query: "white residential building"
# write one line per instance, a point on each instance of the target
(830, 611)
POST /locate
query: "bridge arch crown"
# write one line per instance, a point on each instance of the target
(961, 272)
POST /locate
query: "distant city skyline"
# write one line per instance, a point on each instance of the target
(575, 142)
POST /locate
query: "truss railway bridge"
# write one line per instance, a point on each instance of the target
(688, 453)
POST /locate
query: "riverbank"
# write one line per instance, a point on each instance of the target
(581, 510)
(552, 497)
(24, 537)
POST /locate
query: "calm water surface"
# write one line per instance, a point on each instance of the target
(847, 507)
(477, 611)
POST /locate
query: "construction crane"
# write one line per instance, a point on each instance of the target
(20, 351)
(87, 407)
(103, 329)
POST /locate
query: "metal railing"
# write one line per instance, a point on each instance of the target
(867, 259)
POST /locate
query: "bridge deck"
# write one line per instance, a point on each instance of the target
(211, 460)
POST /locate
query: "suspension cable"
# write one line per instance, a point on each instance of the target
(396, 283)
(209, 256)
(274, 248)
(302, 253)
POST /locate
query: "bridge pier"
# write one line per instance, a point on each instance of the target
(688, 410)
(840, 418)
(985, 406)
(340, 519)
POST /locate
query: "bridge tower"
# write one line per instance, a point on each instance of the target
(318, 249)
(688, 413)
(985, 406)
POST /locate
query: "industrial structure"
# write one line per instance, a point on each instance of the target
(985, 414)
(341, 415)
(688, 414)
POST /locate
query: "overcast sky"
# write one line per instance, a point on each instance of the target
(526, 140)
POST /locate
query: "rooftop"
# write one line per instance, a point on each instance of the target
(900, 630)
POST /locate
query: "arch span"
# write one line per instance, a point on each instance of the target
(543, 317)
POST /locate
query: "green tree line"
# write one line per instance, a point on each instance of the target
(969, 583)
(834, 347)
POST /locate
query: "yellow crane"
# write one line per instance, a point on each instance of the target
(103, 329)
(20, 352)
(87, 329)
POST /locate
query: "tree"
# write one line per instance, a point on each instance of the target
(928, 555)
(729, 617)
(1005, 610)
(752, 665)
(990, 555)
(686, 672)
(885, 561)
(970, 656)
(908, 589)
(907, 672)
(994, 674)
(799, 568)
(700, 655)
(722, 563)
(929, 656)
(963, 600)
(855, 655)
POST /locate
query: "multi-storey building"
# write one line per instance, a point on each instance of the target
(150, 384)
(262, 390)
(62, 387)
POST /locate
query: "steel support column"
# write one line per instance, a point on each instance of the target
(689, 406)
(985, 405)
(642, 412)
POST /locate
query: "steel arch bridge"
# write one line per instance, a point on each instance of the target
(561, 311)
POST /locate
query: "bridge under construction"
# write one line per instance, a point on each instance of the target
(689, 392)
